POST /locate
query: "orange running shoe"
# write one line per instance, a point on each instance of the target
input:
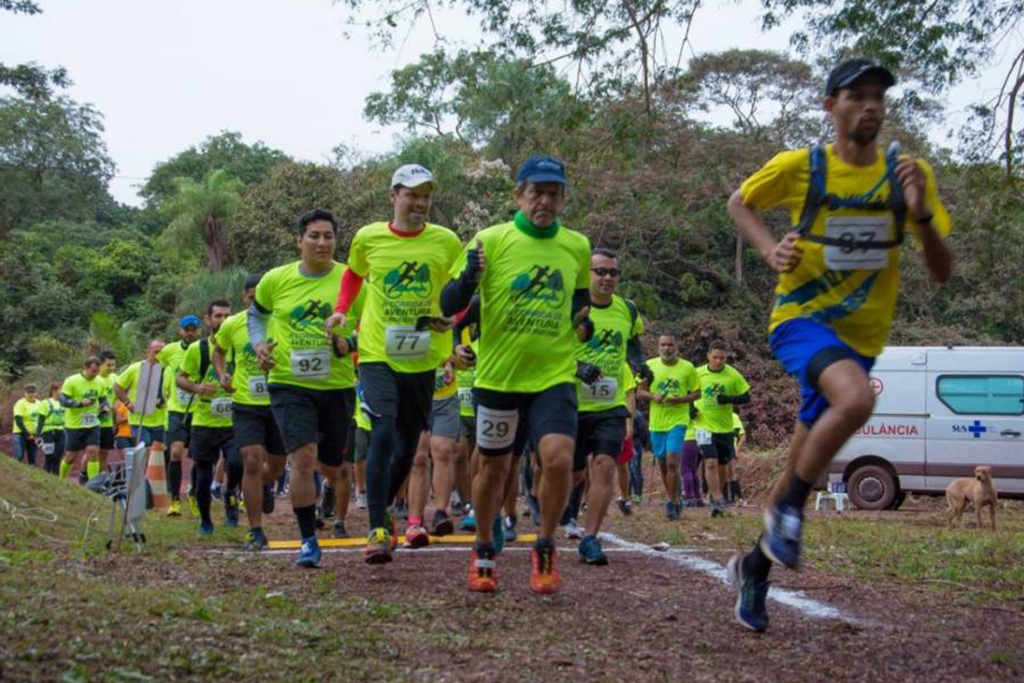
(482, 577)
(544, 575)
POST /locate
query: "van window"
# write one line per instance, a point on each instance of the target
(982, 394)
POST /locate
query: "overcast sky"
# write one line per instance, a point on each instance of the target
(167, 74)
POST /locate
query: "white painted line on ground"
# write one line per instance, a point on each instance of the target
(403, 551)
(689, 560)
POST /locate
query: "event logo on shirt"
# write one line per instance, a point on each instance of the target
(412, 277)
(668, 387)
(313, 312)
(540, 283)
(605, 342)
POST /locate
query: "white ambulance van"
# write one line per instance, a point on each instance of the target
(939, 413)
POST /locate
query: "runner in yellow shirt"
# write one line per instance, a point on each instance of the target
(53, 428)
(533, 275)
(311, 375)
(210, 437)
(81, 395)
(851, 204)
(254, 431)
(722, 387)
(403, 264)
(180, 404)
(26, 417)
(108, 366)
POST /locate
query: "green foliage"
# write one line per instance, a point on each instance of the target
(53, 161)
(226, 150)
(200, 288)
(123, 338)
(200, 218)
(30, 80)
(479, 97)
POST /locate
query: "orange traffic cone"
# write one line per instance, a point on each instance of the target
(157, 476)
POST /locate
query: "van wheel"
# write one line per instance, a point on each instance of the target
(872, 487)
(898, 501)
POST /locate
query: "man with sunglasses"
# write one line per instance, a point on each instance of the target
(604, 376)
(836, 296)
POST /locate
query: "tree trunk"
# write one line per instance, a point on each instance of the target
(213, 237)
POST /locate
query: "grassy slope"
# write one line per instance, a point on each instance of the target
(70, 609)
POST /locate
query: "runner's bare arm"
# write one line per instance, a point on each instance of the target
(938, 257)
(219, 366)
(783, 255)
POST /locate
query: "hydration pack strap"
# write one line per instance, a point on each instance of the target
(818, 197)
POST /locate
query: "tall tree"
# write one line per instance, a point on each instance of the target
(934, 44)
(249, 163)
(53, 161)
(596, 40)
(30, 80)
(201, 215)
(479, 97)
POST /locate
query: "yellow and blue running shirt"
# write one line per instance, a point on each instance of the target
(858, 304)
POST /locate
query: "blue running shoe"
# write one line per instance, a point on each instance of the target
(256, 540)
(750, 607)
(309, 553)
(781, 538)
(468, 522)
(591, 553)
(206, 529)
(498, 534)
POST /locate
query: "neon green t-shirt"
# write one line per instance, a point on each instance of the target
(171, 357)
(28, 411)
(53, 411)
(614, 325)
(716, 418)
(107, 418)
(78, 388)
(404, 275)
(362, 421)
(858, 304)
(247, 377)
(129, 381)
(527, 341)
(678, 379)
(211, 410)
(299, 304)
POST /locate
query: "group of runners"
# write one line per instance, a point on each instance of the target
(444, 363)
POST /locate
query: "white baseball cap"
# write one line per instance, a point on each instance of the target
(411, 175)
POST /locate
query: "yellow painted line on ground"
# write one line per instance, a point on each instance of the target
(359, 542)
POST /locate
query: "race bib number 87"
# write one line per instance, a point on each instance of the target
(855, 231)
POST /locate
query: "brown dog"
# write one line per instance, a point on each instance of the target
(980, 490)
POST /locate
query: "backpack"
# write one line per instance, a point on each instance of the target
(817, 197)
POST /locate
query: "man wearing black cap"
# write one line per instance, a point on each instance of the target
(533, 275)
(850, 203)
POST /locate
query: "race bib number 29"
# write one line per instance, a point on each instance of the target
(496, 429)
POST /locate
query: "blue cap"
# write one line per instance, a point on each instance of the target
(190, 321)
(541, 169)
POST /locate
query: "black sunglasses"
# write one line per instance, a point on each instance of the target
(601, 272)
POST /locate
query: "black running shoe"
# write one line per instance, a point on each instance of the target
(442, 524)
